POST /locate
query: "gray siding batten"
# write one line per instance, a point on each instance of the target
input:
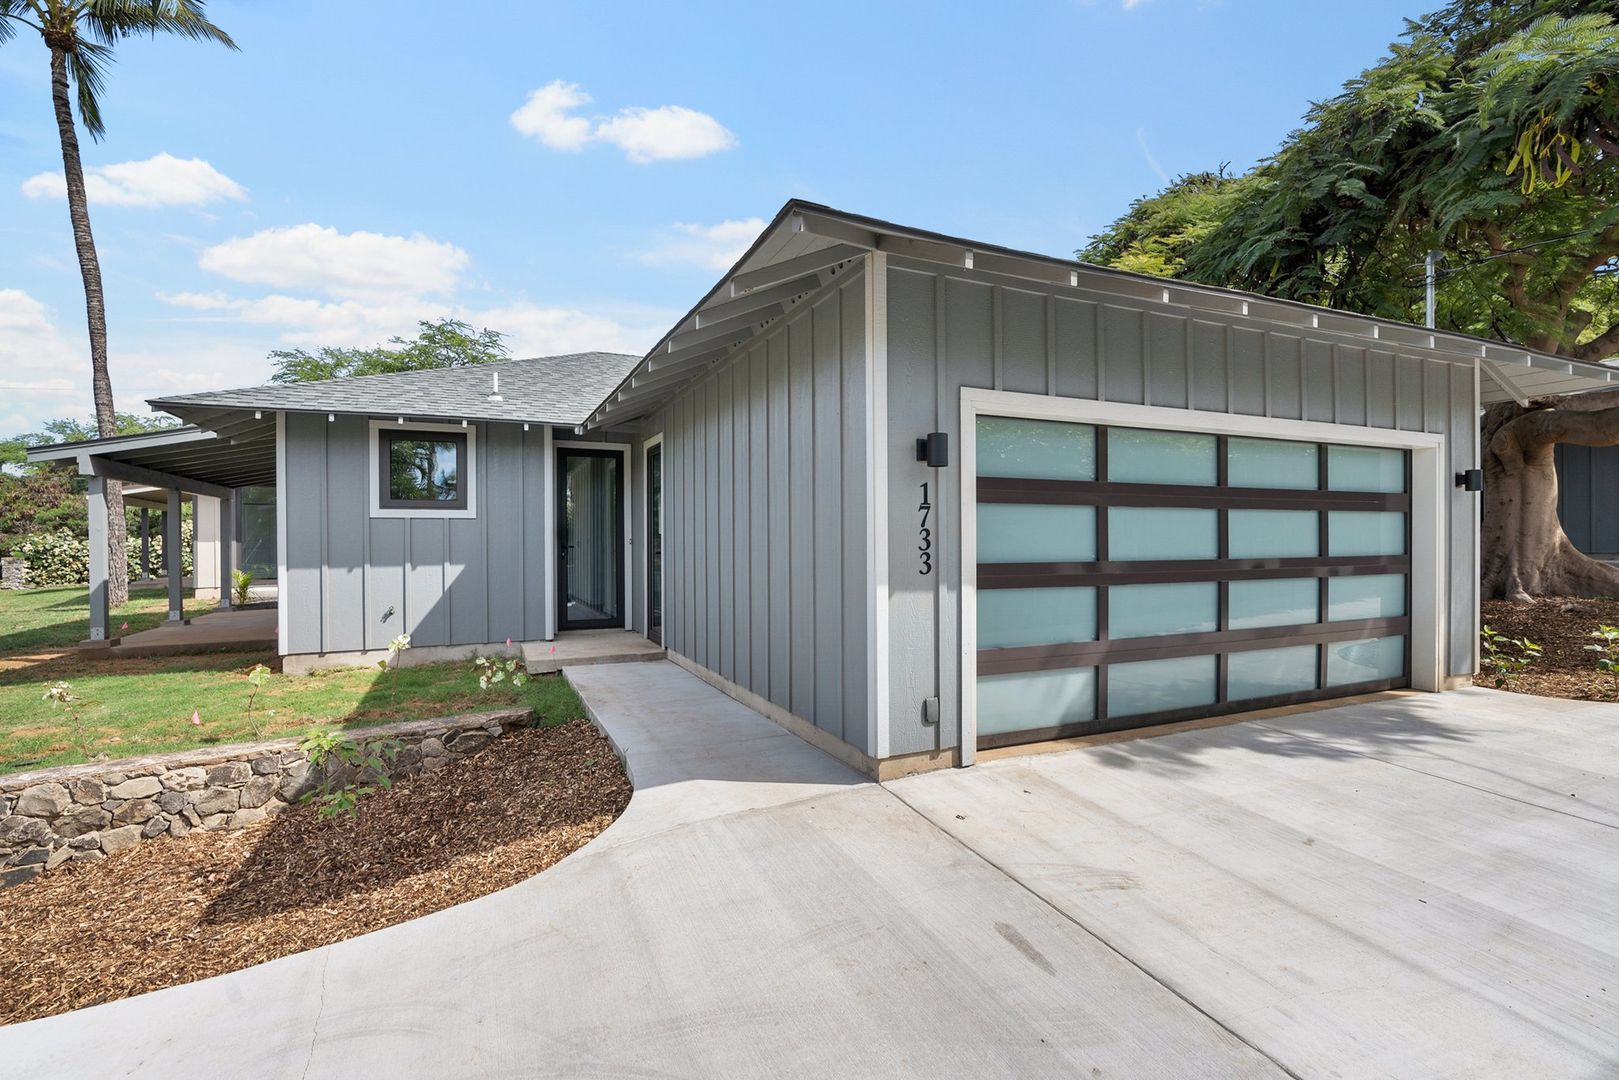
(772, 512)
(1113, 349)
(355, 582)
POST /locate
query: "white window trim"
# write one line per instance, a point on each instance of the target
(628, 510)
(663, 560)
(1429, 524)
(468, 479)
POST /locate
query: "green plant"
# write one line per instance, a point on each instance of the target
(346, 771)
(1607, 653)
(390, 663)
(61, 695)
(241, 586)
(256, 679)
(495, 671)
(1506, 658)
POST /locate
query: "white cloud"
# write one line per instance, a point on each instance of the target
(160, 180)
(714, 247)
(545, 116)
(37, 365)
(666, 133)
(530, 329)
(346, 264)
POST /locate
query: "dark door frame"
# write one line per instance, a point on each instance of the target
(563, 453)
(654, 542)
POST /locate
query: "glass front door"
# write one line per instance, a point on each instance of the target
(590, 544)
(654, 553)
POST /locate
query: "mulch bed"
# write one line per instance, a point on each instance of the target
(170, 911)
(1561, 626)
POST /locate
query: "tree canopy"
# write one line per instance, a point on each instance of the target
(444, 343)
(1490, 132)
(74, 429)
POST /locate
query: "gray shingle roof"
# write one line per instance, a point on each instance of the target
(541, 389)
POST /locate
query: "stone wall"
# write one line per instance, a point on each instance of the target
(13, 573)
(80, 813)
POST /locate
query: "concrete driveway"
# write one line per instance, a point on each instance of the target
(1425, 887)
(1417, 888)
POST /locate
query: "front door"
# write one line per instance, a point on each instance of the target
(654, 547)
(590, 540)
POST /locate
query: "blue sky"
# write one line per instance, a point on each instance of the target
(576, 175)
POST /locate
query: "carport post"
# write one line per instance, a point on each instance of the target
(227, 544)
(146, 543)
(97, 499)
(173, 557)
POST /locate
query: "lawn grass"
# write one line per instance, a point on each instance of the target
(59, 617)
(132, 707)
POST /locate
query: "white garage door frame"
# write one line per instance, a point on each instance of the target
(1428, 522)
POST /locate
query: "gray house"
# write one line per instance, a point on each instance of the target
(911, 495)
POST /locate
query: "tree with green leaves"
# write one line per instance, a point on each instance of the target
(80, 36)
(442, 343)
(1490, 133)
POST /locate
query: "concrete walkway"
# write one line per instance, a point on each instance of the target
(1411, 888)
(759, 910)
(231, 630)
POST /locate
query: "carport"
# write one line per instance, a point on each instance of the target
(180, 462)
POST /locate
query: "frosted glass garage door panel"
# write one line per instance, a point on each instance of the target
(1009, 618)
(1035, 699)
(1370, 596)
(1365, 468)
(1268, 672)
(1365, 661)
(1037, 449)
(1015, 532)
(1148, 533)
(1270, 463)
(1149, 686)
(1283, 602)
(1149, 610)
(1161, 457)
(1365, 532)
(1274, 534)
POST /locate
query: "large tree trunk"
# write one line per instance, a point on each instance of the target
(1525, 552)
(78, 207)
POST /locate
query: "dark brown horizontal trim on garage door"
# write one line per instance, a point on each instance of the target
(1002, 489)
(1075, 654)
(1052, 575)
(1174, 716)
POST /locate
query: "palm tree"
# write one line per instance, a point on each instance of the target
(80, 35)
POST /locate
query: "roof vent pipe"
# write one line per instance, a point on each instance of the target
(494, 394)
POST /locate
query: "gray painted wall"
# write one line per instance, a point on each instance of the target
(450, 581)
(949, 329)
(1588, 497)
(765, 515)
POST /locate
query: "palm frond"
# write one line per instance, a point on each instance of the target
(112, 20)
(87, 65)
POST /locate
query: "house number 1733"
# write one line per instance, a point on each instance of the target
(924, 534)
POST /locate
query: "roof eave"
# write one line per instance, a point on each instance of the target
(856, 232)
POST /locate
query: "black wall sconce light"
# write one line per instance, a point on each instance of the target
(934, 449)
(1470, 480)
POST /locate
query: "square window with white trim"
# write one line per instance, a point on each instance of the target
(421, 470)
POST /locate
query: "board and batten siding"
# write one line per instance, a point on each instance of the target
(963, 328)
(1588, 497)
(765, 515)
(448, 581)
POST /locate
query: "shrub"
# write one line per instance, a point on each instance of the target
(61, 557)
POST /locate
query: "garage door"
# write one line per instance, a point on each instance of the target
(1129, 577)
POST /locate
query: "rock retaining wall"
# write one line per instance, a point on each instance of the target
(79, 813)
(13, 573)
